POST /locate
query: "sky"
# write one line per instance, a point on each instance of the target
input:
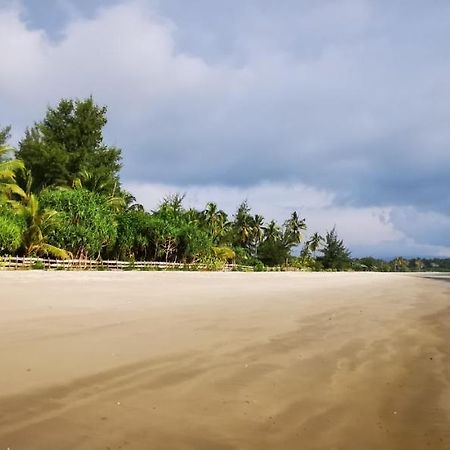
(339, 109)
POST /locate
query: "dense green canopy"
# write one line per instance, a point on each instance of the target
(67, 148)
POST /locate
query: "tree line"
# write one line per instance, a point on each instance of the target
(61, 195)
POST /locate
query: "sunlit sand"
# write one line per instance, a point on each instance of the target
(349, 361)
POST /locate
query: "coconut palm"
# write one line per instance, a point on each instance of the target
(243, 225)
(257, 232)
(314, 243)
(39, 222)
(272, 231)
(8, 169)
(293, 228)
(216, 221)
(118, 200)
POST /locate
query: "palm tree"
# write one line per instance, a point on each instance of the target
(243, 224)
(117, 199)
(8, 169)
(39, 222)
(272, 231)
(293, 228)
(216, 221)
(314, 243)
(257, 232)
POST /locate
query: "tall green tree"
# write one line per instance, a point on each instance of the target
(243, 226)
(314, 243)
(272, 231)
(68, 145)
(293, 229)
(216, 222)
(258, 231)
(335, 255)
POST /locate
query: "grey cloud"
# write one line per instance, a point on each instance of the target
(351, 97)
(425, 227)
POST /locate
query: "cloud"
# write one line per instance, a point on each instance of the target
(349, 98)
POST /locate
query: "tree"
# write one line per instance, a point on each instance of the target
(243, 226)
(293, 228)
(178, 233)
(272, 232)
(8, 170)
(216, 222)
(314, 243)
(258, 232)
(335, 254)
(39, 223)
(273, 252)
(67, 145)
(86, 222)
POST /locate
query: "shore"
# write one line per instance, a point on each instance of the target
(205, 361)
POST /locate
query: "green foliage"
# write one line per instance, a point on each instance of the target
(243, 226)
(215, 222)
(86, 222)
(371, 264)
(135, 235)
(243, 256)
(38, 265)
(224, 253)
(11, 230)
(273, 252)
(67, 145)
(335, 254)
(8, 170)
(69, 199)
(259, 267)
(178, 234)
(39, 222)
(293, 230)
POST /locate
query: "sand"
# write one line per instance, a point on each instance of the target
(224, 361)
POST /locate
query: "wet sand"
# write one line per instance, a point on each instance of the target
(224, 361)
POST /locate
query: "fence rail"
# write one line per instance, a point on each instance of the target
(21, 263)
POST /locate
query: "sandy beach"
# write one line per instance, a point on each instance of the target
(344, 361)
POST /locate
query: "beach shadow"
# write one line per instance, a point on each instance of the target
(440, 277)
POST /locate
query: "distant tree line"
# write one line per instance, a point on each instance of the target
(61, 195)
(400, 264)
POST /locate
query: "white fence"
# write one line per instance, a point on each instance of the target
(20, 263)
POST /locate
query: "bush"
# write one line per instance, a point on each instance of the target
(11, 230)
(259, 267)
(86, 223)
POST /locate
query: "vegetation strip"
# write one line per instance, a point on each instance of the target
(61, 196)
